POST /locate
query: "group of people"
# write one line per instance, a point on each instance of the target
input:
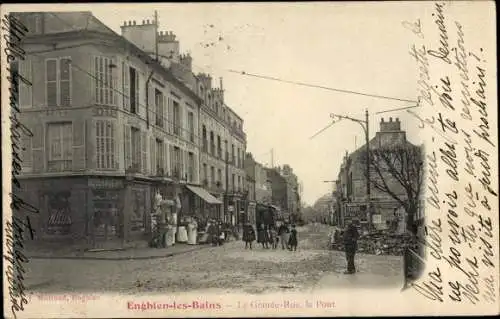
(270, 236)
(218, 232)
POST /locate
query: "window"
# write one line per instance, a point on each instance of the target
(191, 126)
(177, 118)
(239, 183)
(219, 150)
(104, 81)
(25, 89)
(205, 174)
(233, 182)
(212, 143)
(160, 156)
(233, 157)
(226, 150)
(212, 176)
(219, 175)
(58, 82)
(217, 108)
(190, 166)
(209, 102)
(105, 145)
(177, 162)
(159, 108)
(130, 83)
(136, 148)
(60, 143)
(204, 138)
(238, 160)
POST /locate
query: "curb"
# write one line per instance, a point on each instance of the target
(119, 258)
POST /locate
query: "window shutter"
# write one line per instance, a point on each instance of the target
(170, 116)
(152, 104)
(152, 155)
(26, 154)
(65, 82)
(171, 159)
(51, 82)
(127, 138)
(144, 151)
(25, 90)
(165, 157)
(181, 164)
(165, 112)
(79, 144)
(137, 95)
(113, 74)
(126, 86)
(37, 148)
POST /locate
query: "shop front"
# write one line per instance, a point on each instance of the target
(208, 206)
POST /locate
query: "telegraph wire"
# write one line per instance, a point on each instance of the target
(319, 86)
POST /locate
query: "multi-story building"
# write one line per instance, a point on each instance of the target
(293, 195)
(220, 128)
(111, 126)
(352, 201)
(257, 173)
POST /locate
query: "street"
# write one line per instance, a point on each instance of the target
(226, 268)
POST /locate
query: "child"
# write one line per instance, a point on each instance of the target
(272, 237)
(292, 242)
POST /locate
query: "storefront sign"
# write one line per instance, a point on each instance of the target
(105, 183)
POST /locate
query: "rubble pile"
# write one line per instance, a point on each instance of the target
(382, 243)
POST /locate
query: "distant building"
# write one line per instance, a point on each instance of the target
(351, 182)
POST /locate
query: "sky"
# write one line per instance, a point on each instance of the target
(351, 46)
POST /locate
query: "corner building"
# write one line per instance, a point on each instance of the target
(107, 120)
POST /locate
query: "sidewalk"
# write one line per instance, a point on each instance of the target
(134, 253)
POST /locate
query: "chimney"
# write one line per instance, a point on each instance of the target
(391, 126)
(221, 85)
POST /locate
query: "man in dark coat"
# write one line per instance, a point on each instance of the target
(351, 236)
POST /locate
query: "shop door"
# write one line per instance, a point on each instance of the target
(106, 219)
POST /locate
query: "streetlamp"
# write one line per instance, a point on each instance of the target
(365, 125)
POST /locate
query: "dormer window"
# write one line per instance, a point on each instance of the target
(202, 92)
(209, 100)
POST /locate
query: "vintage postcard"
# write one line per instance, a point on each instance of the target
(249, 159)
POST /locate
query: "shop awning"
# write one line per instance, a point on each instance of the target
(203, 194)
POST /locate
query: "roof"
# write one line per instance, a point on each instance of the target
(83, 23)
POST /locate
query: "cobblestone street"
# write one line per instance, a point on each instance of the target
(229, 267)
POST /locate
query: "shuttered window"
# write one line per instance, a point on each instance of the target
(191, 167)
(58, 81)
(136, 148)
(160, 155)
(60, 144)
(105, 92)
(25, 89)
(159, 108)
(105, 145)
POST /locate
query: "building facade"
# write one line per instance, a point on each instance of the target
(352, 201)
(112, 126)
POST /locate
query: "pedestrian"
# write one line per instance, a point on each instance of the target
(262, 236)
(293, 241)
(283, 233)
(248, 235)
(351, 236)
(271, 237)
(275, 238)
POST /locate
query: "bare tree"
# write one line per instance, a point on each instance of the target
(397, 170)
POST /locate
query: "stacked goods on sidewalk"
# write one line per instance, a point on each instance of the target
(380, 243)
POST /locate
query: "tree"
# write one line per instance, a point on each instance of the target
(397, 170)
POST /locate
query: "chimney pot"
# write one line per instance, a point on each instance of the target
(382, 121)
(390, 119)
(147, 21)
(134, 22)
(397, 119)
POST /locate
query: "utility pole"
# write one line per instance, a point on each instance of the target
(365, 124)
(368, 192)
